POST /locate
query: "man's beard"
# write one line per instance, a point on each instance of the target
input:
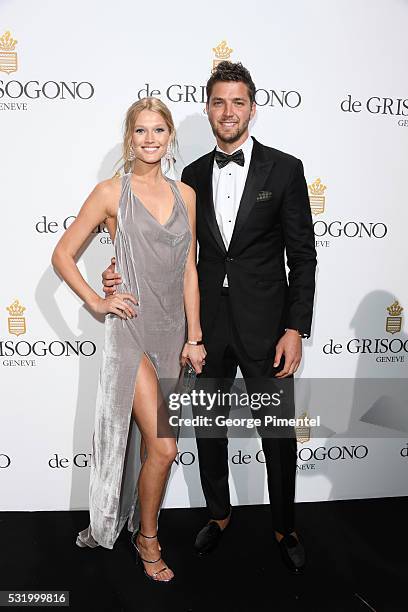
(231, 137)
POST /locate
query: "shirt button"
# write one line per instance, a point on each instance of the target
(230, 259)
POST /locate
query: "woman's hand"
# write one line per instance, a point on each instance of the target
(116, 304)
(195, 355)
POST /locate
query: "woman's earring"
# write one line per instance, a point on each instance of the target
(169, 157)
(131, 155)
(169, 154)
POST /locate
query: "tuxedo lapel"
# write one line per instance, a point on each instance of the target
(258, 171)
(207, 199)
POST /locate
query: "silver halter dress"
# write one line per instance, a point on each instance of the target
(151, 259)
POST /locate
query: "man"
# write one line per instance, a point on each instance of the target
(252, 206)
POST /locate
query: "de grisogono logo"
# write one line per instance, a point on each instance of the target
(302, 431)
(46, 226)
(385, 349)
(16, 95)
(193, 93)
(222, 53)
(28, 353)
(16, 321)
(8, 55)
(80, 460)
(378, 105)
(309, 458)
(393, 324)
(84, 460)
(326, 230)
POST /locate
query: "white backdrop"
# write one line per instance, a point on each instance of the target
(332, 91)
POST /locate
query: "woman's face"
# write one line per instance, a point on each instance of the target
(150, 137)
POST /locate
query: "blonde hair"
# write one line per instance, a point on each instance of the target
(153, 104)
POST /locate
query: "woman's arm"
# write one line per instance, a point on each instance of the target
(195, 354)
(101, 205)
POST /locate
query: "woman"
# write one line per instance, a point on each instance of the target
(151, 220)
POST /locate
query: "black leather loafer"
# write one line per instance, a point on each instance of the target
(208, 538)
(293, 554)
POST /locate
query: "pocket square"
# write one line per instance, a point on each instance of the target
(263, 195)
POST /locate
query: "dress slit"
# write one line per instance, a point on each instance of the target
(132, 454)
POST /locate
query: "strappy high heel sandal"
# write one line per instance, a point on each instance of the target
(140, 559)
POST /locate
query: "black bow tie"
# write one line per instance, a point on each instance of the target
(223, 159)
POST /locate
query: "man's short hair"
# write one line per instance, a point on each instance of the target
(229, 71)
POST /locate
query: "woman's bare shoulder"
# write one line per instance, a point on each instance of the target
(108, 192)
(109, 187)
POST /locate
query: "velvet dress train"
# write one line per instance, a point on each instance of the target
(151, 259)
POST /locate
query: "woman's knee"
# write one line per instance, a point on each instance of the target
(165, 452)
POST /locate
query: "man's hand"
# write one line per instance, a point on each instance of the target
(110, 279)
(290, 346)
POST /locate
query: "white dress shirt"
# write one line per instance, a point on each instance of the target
(228, 185)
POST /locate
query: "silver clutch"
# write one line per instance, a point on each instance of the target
(188, 378)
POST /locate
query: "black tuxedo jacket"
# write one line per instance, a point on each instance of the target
(274, 216)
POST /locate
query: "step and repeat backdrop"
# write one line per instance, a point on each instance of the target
(331, 90)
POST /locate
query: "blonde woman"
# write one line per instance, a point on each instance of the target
(151, 220)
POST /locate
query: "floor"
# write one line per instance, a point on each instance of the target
(356, 551)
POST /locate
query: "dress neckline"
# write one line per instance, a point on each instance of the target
(147, 210)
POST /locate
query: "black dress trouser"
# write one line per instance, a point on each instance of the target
(224, 354)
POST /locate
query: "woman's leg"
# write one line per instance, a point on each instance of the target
(160, 453)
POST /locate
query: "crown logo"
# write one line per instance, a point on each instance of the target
(16, 321)
(302, 431)
(394, 320)
(8, 57)
(317, 197)
(222, 53)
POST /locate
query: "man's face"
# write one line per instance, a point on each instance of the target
(229, 111)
